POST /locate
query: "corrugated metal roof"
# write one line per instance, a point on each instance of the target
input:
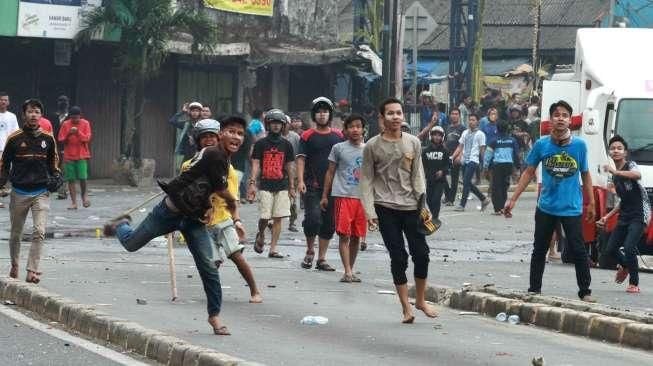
(507, 24)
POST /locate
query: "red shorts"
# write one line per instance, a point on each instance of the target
(350, 217)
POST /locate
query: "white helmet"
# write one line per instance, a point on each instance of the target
(322, 102)
(204, 126)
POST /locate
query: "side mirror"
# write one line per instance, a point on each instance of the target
(590, 122)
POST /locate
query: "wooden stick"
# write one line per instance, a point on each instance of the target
(171, 264)
(141, 204)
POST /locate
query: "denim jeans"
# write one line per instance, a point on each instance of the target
(452, 189)
(469, 169)
(434, 190)
(628, 235)
(162, 221)
(545, 224)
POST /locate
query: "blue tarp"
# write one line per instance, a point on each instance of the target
(431, 70)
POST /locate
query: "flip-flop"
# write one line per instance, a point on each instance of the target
(355, 278)
(275, 255)
(308, 261)
(222, 330)
(347, 279)
(324, 266)
(86, 203)
(33, 277)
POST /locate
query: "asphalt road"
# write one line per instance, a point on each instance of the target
(27, 342)
(363, 323)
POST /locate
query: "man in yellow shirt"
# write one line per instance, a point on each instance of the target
(224, 225)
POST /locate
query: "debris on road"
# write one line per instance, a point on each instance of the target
(468, 313)
(386, 292)
(9, 302)
(141, 301)
(314, 320)
(538, 361)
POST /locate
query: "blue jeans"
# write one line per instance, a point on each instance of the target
(469, 169)
(628, 235)
(162, 221)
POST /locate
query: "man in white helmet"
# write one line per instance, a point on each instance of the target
(185, 120)
(312, 164)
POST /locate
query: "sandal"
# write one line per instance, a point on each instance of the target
(308, 261)
(86, 203)
(275, 255)
(259, 243)
(347, 279)
(322, 265)
(355, 278)
(33, 277)
(222, 330)
(363, 246)
(633, 289)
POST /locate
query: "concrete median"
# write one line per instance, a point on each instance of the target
(127, 335)
(596, 321)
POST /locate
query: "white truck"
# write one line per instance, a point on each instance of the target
(610, 89)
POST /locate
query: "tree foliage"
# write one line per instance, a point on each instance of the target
(144, 29)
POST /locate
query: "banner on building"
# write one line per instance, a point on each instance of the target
(52, 18)
(253, 7)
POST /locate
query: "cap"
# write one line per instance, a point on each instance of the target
(195, 105)
(437, 129)
(74, 111)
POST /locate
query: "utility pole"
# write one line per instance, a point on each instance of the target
(463, 27)
(537, 13)
(388, 37)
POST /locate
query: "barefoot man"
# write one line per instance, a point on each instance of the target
(392, 183)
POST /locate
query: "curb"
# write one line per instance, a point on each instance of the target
(595, 321)
(129, 336)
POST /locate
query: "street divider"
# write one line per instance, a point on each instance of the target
(564, 315)
(127, 335)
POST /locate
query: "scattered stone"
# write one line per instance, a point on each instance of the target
(189, 276)
(538, 361)
(272, 286)
(141, 301)
(67, 344)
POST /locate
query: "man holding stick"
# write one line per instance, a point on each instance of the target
(185, 208)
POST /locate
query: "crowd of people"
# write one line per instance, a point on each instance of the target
(348, 183)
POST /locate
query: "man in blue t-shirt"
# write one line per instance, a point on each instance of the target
(564, 163)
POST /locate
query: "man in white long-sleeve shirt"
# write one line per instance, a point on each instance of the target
(8, 124)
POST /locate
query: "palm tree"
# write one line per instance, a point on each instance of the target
(144, 28)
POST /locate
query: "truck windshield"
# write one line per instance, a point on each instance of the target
(634, 117)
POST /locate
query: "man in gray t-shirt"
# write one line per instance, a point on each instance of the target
(348, 159)
(342, 181)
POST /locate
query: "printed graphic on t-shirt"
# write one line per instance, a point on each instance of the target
(560, 165)
(353, 172)
(434, 155)
(272, 167)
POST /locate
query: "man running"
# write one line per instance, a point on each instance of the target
(312, 164)
(392, 184)
(185, 208)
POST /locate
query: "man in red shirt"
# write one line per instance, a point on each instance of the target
(45, 125)
(75, 134)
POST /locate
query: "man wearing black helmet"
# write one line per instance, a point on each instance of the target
(312, 164)
(272, 157)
